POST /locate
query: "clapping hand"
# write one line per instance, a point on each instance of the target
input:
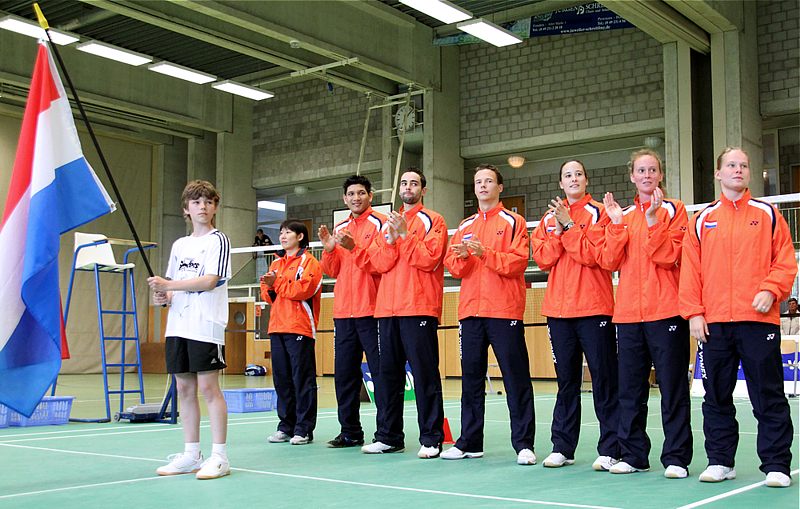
(328, 242)
(269, 278)
(613, 209)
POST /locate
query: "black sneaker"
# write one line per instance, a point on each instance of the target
(342, 441)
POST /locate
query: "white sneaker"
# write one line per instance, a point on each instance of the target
(604, 463)
(778, 480)
(625, 468)
(380, 448)
(717, 473)
(181, 463)
(556, 460)
(214, 467)
(426, 452)
(676, 472)
(300, 440)
(454, 453)
(278, 437)
(526, 457)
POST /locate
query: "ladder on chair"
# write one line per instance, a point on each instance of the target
(93, 253)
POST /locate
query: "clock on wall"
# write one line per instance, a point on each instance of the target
(405, 118)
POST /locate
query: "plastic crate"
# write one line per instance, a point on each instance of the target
(51, 410)
(4, 416)
(250, 400)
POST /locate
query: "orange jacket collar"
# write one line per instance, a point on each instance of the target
(413, 211)
(492, 211)
(641, 206)
(580, 203)
(364, 215)
(281, 253)
(738, 203)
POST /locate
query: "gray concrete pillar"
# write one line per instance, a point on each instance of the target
(442, 162)
(734, 72)
(234, 177)
(678, 151)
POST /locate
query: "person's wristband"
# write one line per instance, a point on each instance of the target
(568, 225)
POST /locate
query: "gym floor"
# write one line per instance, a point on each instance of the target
(90, 465)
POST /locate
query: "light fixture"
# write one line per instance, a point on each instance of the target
(489, 32)
(232, 87)
(183, 73)
(653, 142)
(104, 50)
(300, 189)
(516, 161)
(442, 10)
(272, 205)
(31, 29)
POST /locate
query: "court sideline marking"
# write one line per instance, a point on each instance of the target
(281, 474)
(730, 493)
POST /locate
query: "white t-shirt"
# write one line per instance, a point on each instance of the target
(201, 316)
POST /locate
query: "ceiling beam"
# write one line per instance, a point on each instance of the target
(705, 16)
(661, 22)
(229, 42)
(259, 25)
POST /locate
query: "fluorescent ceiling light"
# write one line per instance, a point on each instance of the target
(232, 87)
(104, 50)
(183, 73)
(489, 32)
(442, 10)
(272, 205)
(31, 29)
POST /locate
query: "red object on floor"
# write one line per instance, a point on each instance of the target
(448, 435)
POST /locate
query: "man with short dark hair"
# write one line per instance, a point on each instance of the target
(409, 254)
(355, 328)
(489, 253)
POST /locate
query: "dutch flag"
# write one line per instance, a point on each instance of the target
(53, 190)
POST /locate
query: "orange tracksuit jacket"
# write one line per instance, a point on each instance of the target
(295, 295)
(732, 251)
(493, 285)
(647, 260)
(577, 286)
(412, 273)
(356, 285)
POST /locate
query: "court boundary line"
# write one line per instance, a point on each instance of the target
(731, 493)
(285, 475)
(82, 486)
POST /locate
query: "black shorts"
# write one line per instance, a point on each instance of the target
(190, 356)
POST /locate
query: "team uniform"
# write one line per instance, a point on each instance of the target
(485, 319)
(355, 328)
(650, 330)
(293, 319)
(196, 322)
(732, 251)
(578, 303)
(408, 308)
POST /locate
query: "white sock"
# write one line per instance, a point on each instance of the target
(192, 448)
(220, 449)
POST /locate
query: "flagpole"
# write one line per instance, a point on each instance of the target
(43, 23)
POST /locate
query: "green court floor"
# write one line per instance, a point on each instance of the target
(113, 464)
